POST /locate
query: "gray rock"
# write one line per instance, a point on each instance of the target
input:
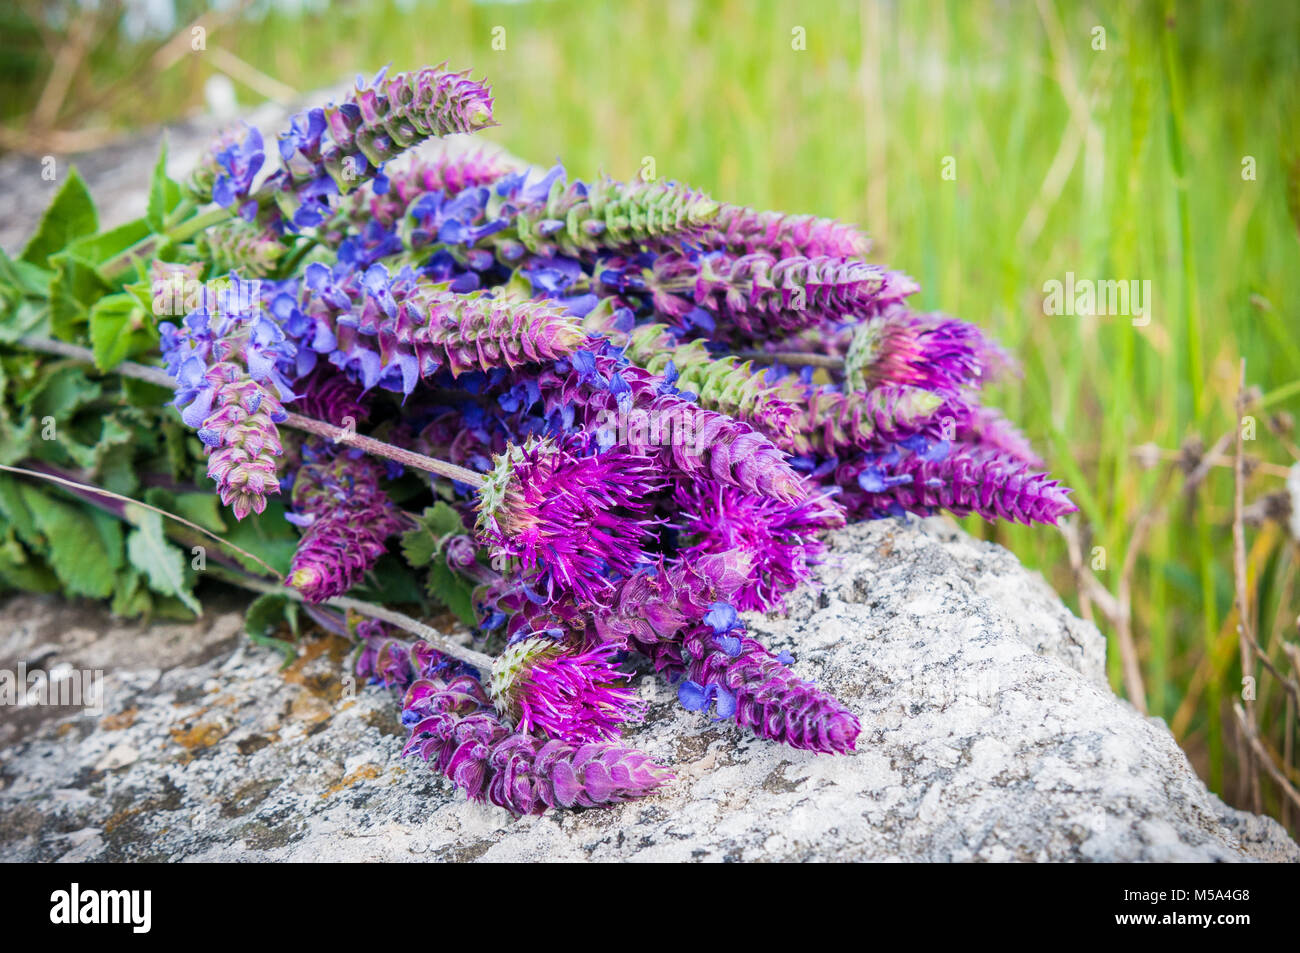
(988, 733)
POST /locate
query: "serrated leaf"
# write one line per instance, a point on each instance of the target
(26, 316)
(74, 290)
(16, 512)
(160, 562)
(130, 596)
(90, 455)
(201, 508)
(73, 544)
(112, 320)
(437, 522)
(164, 194)
(19, 570)
(453, 591)
(98, 250)
(15, 438)
(60, 392)
(70, 216)
(25, 277)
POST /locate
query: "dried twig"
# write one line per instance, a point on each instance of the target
(1262, 754)
(1250, 772)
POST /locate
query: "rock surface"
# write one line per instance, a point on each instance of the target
(988, 733)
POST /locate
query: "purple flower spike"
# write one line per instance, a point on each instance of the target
(351, 520)
(226, 360)
(966, 480)
(758, 689)
(746, 231)
(759, 295)
(578, 697)
(456, 730)
(987, 429)
(653, 605)
(393, 113)
(638, 409)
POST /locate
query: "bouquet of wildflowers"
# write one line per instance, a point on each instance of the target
(632, 411)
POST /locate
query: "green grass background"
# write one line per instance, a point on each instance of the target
(1117, 163)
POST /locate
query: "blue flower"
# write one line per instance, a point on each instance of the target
(696, 697)
(874, 480)
(722, 618)
(304, 134)
(239, 164)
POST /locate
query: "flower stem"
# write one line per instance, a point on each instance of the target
(188, 229)
(796, 358)
(479, 660)
(380, 449)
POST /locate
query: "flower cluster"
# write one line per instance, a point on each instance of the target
(346, 520)
(650, 407)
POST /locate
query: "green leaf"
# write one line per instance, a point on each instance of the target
(27, 278)
(200, 508)
(265, 615)
(98, 250)
(161, 562)
(70, 216)
(164, 194)
(439, 521)
(130, 596)
(19, 570)
(267, 535)
(75, 288)
(74, 545)
(99, 443)
(59, 392)
(16, 512)
(112, 320)
(26, 316)
(453, 591)
(15, 438)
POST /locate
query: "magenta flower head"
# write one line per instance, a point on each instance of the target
(653, 605)
(573, 519)
(540, 684)
(456, 730)
(901, 348)
(647, 412)
(780, 538)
